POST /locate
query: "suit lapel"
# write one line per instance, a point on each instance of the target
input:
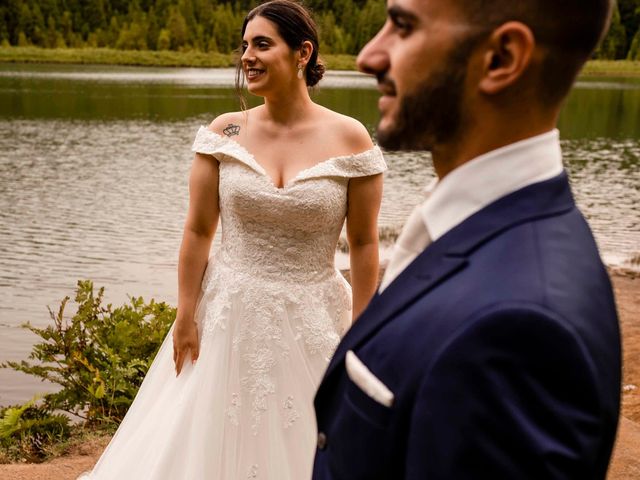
(440, 261)
(430, 268)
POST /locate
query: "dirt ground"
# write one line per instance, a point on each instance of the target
(626, 459)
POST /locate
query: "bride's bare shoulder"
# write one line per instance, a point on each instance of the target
(348, 132)
(230, 124)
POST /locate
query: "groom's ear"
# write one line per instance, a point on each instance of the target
(508, 54)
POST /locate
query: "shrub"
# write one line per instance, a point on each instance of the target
(99, 356)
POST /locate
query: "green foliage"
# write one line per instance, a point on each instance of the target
(164, 40)
(177, 26)
(200, 25)
(109, 56)
(132, 37)
(214, 25)
(613, 46)
(22, 40)
(630, 18)
(28, 431)
(99, 356)
(634, 49)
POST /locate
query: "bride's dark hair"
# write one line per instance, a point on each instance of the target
(295, 26)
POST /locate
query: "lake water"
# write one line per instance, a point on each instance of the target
(94, 164)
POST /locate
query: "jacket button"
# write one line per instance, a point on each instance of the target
(322, 441)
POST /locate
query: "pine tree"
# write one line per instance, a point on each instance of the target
(347, 18)
(225, 28)
(53, 38)
(153, 29)
(634, 49)
(38, 33)
(4, 30)
(94, 14)
(630, 19)
(326, 27)
(12, 16)
(185, 8)
(370, 20)
(212, 46)
(133, 37)
(25, 24)
(613, 45)
(342, 40)
(177, 26)
(66, 27)
(50, 9)
(113, 32)
(162, 8)
(22, 39)
(164, 40)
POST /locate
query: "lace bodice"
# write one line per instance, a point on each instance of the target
(282, 234)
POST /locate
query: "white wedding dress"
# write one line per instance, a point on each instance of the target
(272, 310)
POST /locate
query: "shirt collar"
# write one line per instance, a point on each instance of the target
(479, 182)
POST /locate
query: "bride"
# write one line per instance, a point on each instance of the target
(258, 322)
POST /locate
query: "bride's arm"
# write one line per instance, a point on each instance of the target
(364, 196)
(200, 226)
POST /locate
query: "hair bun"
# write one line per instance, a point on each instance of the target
(315, 74)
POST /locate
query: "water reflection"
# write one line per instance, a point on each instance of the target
(602, 107)
(93, 169)
(602, 110)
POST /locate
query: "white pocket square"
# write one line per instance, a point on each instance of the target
(367, 381)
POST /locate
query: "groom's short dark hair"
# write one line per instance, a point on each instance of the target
(569, 30)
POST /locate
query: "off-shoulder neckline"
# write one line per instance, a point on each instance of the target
(251, 160)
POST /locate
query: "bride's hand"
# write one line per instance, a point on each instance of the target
(185, 338)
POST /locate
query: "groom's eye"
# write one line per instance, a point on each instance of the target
(402, 26)
(402, 20)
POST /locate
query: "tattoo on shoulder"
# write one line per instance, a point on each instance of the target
(231, 130)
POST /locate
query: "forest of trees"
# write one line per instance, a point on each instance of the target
(205, 25)
(213, 25)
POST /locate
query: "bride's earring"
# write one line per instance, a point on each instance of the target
(300, 71)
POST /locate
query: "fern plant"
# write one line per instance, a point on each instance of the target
(30, 428)
(99, 356)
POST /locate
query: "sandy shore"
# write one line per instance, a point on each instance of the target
(626, 460)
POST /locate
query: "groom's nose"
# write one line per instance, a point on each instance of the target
(374, 58)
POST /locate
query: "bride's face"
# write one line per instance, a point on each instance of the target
(268, 63)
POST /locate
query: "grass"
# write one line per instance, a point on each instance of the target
(148, 58)
(167, 58)
(81, 440)
(110, 56)
(612, 68)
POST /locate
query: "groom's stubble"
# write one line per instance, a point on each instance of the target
(433, 114)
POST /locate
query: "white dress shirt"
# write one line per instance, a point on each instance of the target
(471, 187)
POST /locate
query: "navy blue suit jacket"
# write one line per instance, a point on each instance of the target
(501, 345)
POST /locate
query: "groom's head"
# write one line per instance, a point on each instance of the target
(443, 64)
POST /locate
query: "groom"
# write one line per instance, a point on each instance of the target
(492, 348)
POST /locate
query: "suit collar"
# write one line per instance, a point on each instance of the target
(449, 255)
(472, 186)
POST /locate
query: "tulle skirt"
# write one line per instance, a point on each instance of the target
(244, 410)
